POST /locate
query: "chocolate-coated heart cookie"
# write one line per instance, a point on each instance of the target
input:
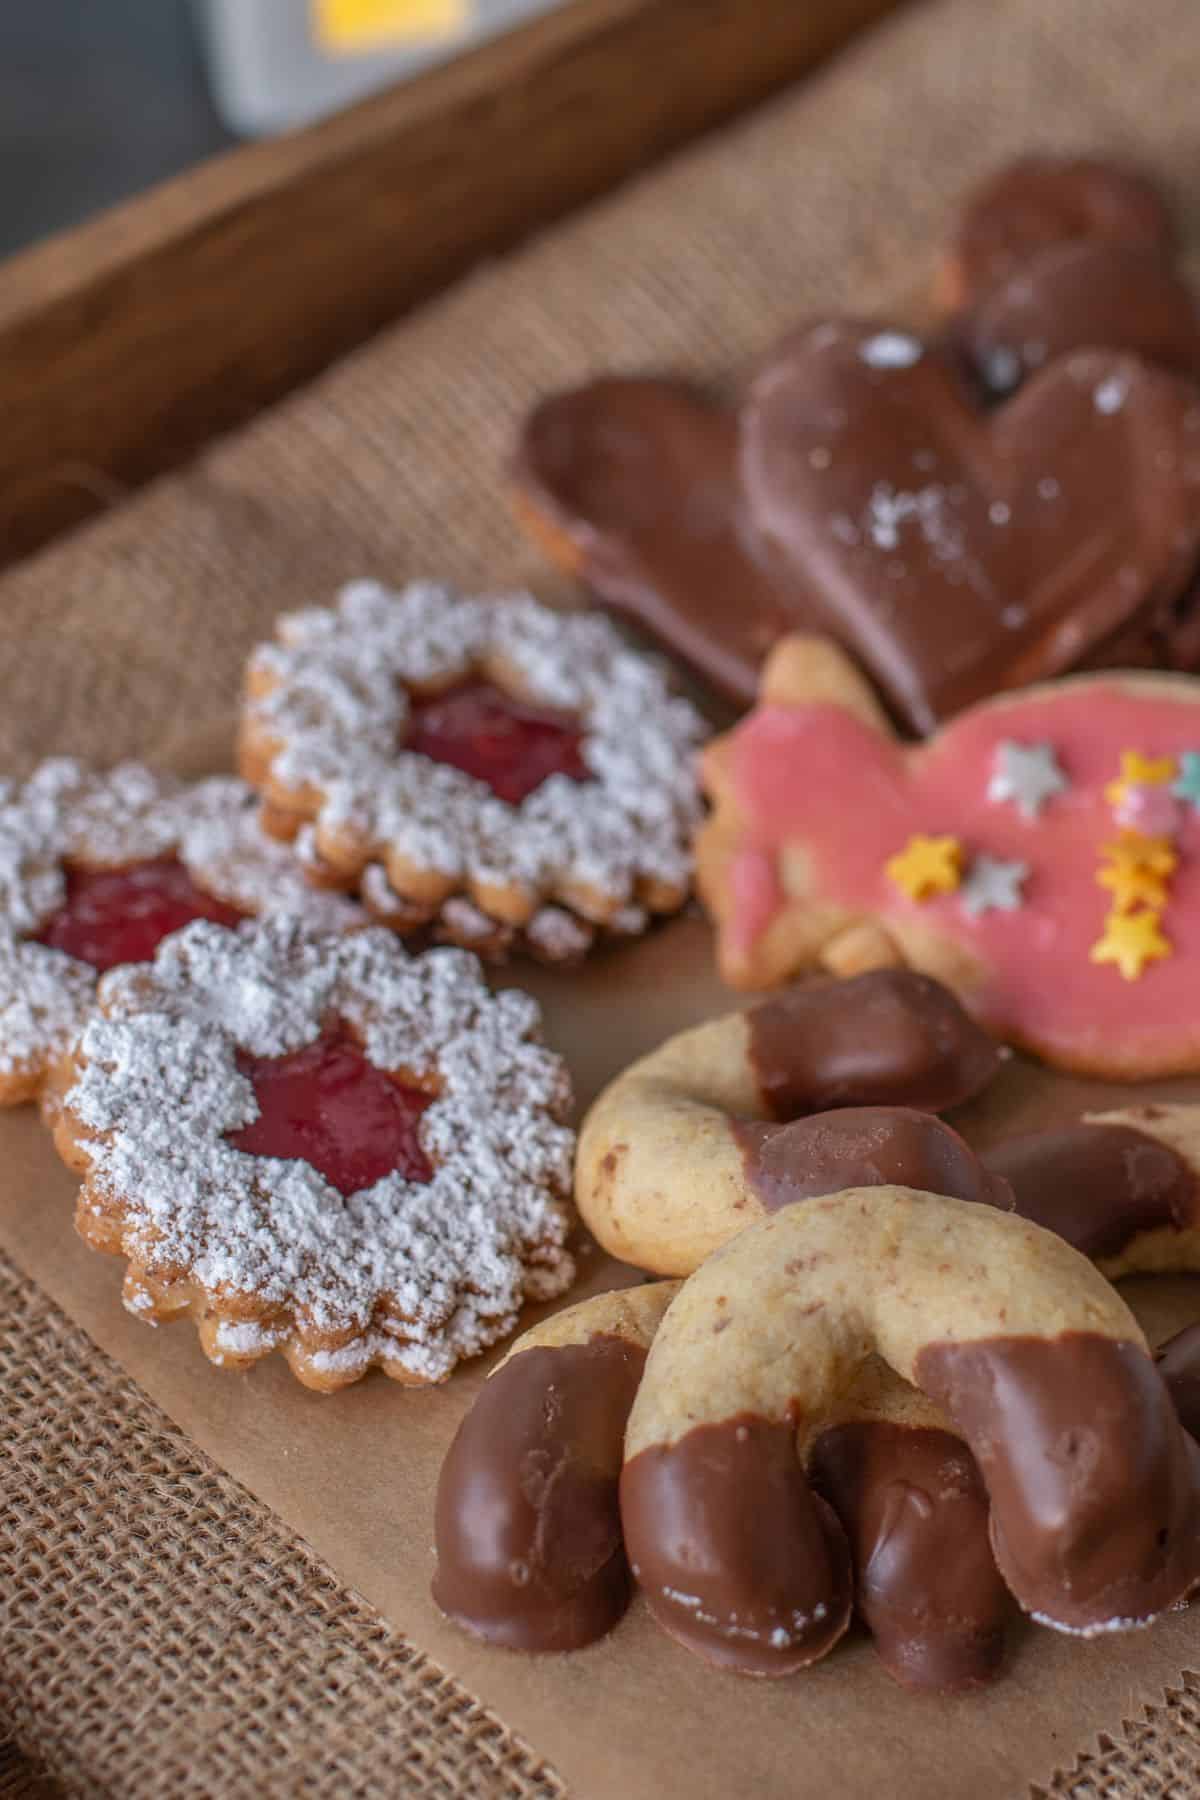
(1038, 201)
(956, 553)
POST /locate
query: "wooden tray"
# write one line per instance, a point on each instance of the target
(127, 343)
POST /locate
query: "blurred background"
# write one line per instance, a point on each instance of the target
(101, 98)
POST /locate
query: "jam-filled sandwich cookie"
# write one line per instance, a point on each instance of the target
(322, 1145)
(95, 869)
(837, 1084)
(861, 491)
(1041, 855)
(489, 769)
(827, 1412)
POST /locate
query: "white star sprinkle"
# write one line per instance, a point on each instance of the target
(1026, 774)
(993, 885)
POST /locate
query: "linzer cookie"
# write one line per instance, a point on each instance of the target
(1039, 202)
(489, 770)
(95, 869)
(860, 491)
(749, 1447)
(1041, 854)
(835, 1084)
(321, 1145)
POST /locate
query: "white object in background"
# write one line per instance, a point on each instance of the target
(270, 70)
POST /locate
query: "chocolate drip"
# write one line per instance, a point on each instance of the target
(887, 1038)
(1097, 1186)
(915, 1511)
(1095, 1488)
(527, 1519)
(737, 1557)
(863, 1146)
(1178, 1363)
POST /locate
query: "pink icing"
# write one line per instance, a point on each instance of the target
(818, 775)
(1152, 809)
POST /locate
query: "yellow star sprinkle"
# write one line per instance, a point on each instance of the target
(1139, 771)
(1131, 940)
(1134, 850)
(926, 866)
(1133, 885)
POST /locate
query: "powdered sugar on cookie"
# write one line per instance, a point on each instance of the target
(414, 1275)
(329, 706)
(67, 816)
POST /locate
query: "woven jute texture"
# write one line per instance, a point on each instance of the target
(159, 1631)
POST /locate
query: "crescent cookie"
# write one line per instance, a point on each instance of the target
(540, 1566)
(322, 1145)
(487, 769)
(1037, 1363)
(1040, 854)
(97, 867)
(834, 1084)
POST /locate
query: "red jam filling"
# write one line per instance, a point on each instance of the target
(486, 733)
(116, 916)
(326, 1105)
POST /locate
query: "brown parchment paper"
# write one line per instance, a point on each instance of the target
(633, 1718)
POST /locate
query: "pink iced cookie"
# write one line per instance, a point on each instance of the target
(1041, 854)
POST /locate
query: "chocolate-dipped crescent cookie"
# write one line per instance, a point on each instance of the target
(527, 1523)
(1093, 1485)
(686, 1148)
(836, 1083)
(1040, 201)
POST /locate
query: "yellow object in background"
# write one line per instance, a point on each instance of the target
(357, 27)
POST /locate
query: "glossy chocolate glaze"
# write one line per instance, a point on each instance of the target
(633, 482)
(1040, 201)
(1079, 296)
(915, 1511)
(863, 1146)
(722, 528)
(738, 1558)
(1098, 1186)
(1094, 1485)
(527, 1522)
(1178, 1363)
(890, 1037)
(915, 520)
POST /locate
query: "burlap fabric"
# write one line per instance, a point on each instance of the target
(159, 1630)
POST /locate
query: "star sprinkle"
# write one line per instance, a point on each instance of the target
(1026, 774)
(1187, 788)
(993, 886)
(1149, 808)
(1131, 940)
(1132, 885)
(926, 866)
(1139, 771)
(1134, 850)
